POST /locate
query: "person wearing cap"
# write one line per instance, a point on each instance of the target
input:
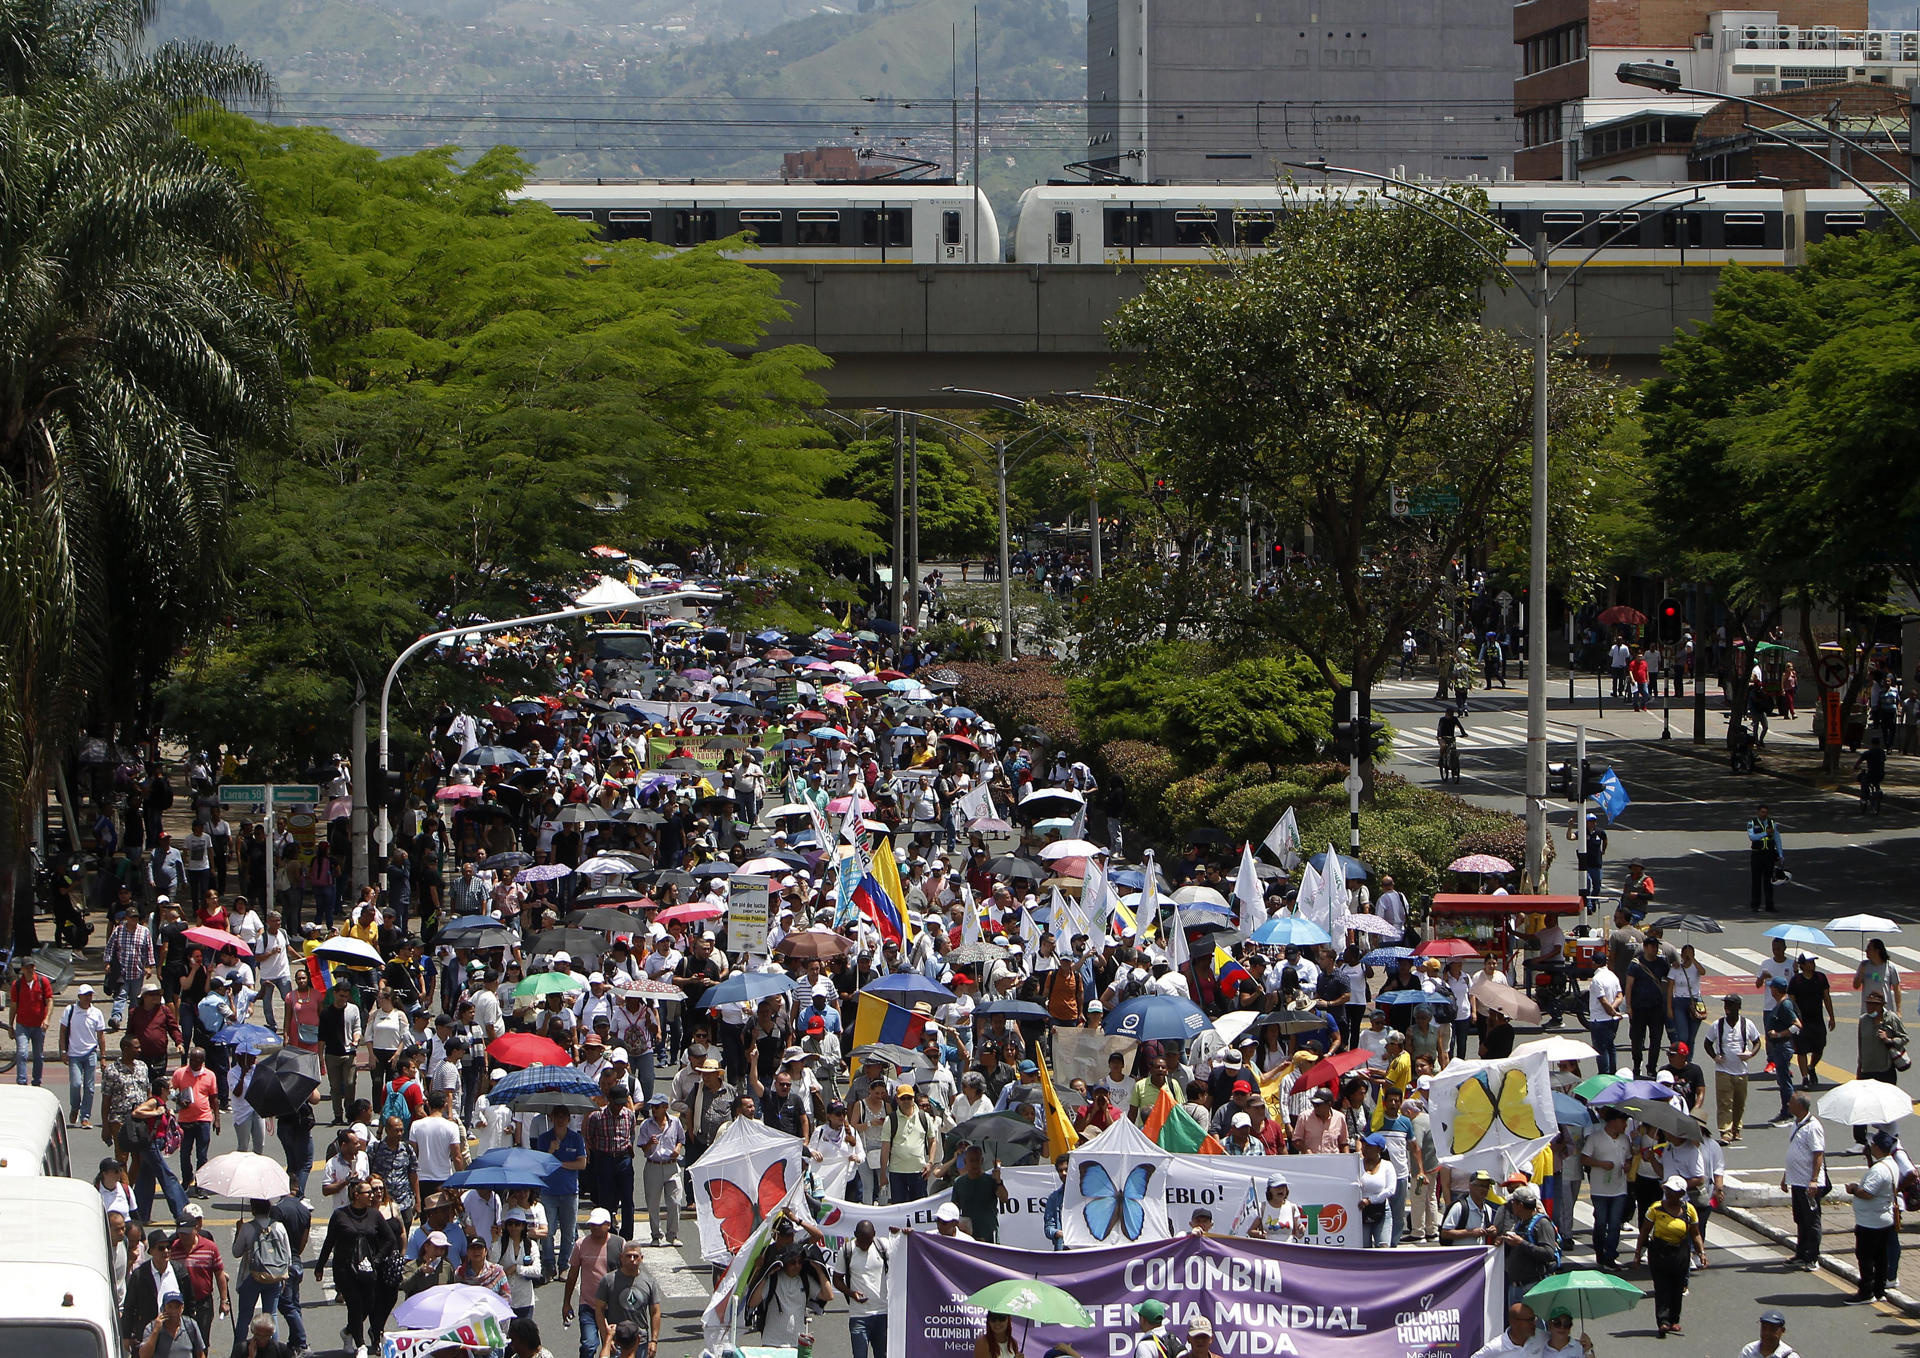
(594, 1255)
(1782, 1025)
(909, 1147)
(172, 1334)
(1528, 1236)
(515, 1255)
(1812, 994)
(431, 1267)
(1323, 1128)
(1882, 1040)
(128, 954)
(609, 1134)
(1153, 1339)
(1672, 1234)
(1470, 1220)
(1688, 1080)
(1772, 1342)
(202, 1271)
(149, 1288)
(1875, 1217)
(1280, 1216)
(661, 1138)
(82, 1028)
(1378, 1183)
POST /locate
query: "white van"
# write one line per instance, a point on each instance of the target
(33, 1132)
(56, 1272)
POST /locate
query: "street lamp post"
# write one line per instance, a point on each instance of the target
(1541, 295)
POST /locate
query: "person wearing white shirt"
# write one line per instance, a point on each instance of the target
(1731, 1042)
(81, 1029)
(1521, 1336)
(1392, 905)
(1604, 1003)
(270, 952)
(1167, 981)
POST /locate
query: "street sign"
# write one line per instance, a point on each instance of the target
(1430, 500)
(748, 911)
(1830, 671)
(1354, 785)
(243, 794)
(296, 794)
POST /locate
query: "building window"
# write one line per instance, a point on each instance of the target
(1555, 48)
(1541, 126)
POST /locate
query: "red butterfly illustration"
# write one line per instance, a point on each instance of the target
(739, 1214)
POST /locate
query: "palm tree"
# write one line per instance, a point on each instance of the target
(135, 357)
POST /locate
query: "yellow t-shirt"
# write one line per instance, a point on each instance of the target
(1670, 1228)
(1400, 1072)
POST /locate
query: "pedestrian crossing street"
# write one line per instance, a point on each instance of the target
(1840, 960)
(1414, 713)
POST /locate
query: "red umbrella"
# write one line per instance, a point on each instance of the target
(217, 939)
(961, 740)
(1328, 1069)
(521, 1050)
(889, 674)
(1622, 616)
(458, 792)
(1446, 947)
(691, 913)
(808, 714)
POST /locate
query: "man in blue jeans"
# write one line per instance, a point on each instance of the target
(862, 1270)
(593, 1254)
(1782, 1026)
(297, 1217)
(1604, 1003)
(561, 1193)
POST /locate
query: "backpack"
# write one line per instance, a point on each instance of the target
(269, 1255)
(397, 1105)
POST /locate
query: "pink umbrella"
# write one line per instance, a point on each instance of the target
(838, 805)
(1480, 862)
(542, 872)
(217, 939)
(457, 792)
(691, 914)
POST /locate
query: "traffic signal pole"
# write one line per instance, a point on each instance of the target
(1353, 773)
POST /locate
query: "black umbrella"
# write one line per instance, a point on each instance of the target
(551, 1100)
(583, 813)
(530, 778)
(1689, 924)
(718, 867)
(892, 1055)
(682, 764)
(1008, 865)
(575, 941)
(1007, 1138)
(1287, 1021)
(513, 858)
(282, 1081)
(488, 808)
(605, 921)
(479, 940)
(609, 896)
(489, 756)
(1014, 1009)
(672, 877)
(640, 815)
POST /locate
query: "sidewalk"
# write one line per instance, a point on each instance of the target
(1762, 1207)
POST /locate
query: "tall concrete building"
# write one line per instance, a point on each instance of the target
(1567, 95)
(1197, 91)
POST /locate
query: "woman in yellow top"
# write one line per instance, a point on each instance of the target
(1672, 1235)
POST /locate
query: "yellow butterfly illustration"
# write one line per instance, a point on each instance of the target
(1476, 1112)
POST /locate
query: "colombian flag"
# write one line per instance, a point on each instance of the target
(881, 897)
(1227, 973)
(1172, 1128)
(878, 1019)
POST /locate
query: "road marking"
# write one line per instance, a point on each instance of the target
(1716, 964)
(1750, 956)
(677, 1278)
(1909, 954)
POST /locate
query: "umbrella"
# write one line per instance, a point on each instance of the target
(1385, 957)
(1481, 863)
(584, 813)
(243, 1174)
(544, 872)
(613, 863)
(813, 943)
(507, 1167)
(990, 825)
(1626, 1091)
(521, 1084)
(746, 987)
(1860, 1103)
(907, 986)
(1622, 616)
(672, 877)
(1559, 1048)
(490, 756)
(1799, 933)
(549, 1103)
(247, 1037)
(1663, 1116)
(966, 741)
(1016, 1010)
(1773, 648)
(1446, 947)
(838, 806)
(1070, 848)
(1595, 1084)
(1289, 1021)
(975, 952)
(1290, 931)
(548, 983)
(716, 867)
(1584, 1293)
(1352, 869)
(576, 942)
(1371, 924)
(526, 1049)
(1689, 924)
(889, 1054)
(1006, 1138)
(470, 924)
(691, 913)
(1056, 801)
(1201, 896)
(647, 985)
(612, 895)
(1008, 865)
(1328, 1069)
(601, 919)
(1863, 925)
(1570, 1112)
(512, 858)
(442, 1308)
(1165, 1018)
(217, 939)
(349, 952)
(458, 792)
(1407, 997)
(282, 1080)
(1492, 994)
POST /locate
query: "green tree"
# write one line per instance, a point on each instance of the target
(494, 392)
(957, 517)
(1317, 377)
(135, 364)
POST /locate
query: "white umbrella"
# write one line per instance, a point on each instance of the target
(1558, 1049)
(1371, 924)
(243, 1174)
(1865, 1103)
(351, 951)
(1201, 895)
(1863, 925)
(1070, 848)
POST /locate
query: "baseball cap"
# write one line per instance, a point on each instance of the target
(84, 990)
(440, 1237)
(1480, 1176)
(947, 1212)
(599, 1216)
(563, 956)
(1152, 1309)
(1681, 1049)
(1885, 1140)
(1276, 1181)
(1322, 1095)
(816, 1026)
(1096, 1008)
(192, 1209)
(1243, 1086)
(618, 1057)
(1675, 1184)
(596, 978)
(1374, 1139)
(1029, 1068)
(657, 1101)
(1199, 1325)
(1242, 1120)
(1773, 1318)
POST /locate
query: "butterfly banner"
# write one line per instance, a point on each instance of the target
(720, 1321)
(1116, 1190)
(744, 1175)
(1493, 1115)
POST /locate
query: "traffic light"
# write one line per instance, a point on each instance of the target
(1278, 554)
(1159, 489)
(1589, 779)
(1669, 618)
(1560, 781)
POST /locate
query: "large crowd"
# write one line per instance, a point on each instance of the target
(553, 958)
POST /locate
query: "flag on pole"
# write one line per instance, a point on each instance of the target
(1061, 1137)
(1248, 1216)
(1247, 890)
(977, 804)
(878, 1019)
(1171, 1127)
(1177, 954)
(884, 897)
(720, 1321)
(1307, 902)
(969, 915)
(1333, 890)
(1149, 911)
(1030, 935)
(1283, 840)
(1612, 797)
(1227, 973)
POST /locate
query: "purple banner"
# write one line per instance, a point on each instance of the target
(1262, 1297)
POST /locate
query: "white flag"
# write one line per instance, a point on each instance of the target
(1148, 911)
(464, 729)
(1030, 932)
(1177, 955)
(1247, 890)
(851, 829)
(1283, 840)
(1333, 892)
(1250, 1211)
(977, 804)
(969, 915)
(1307, 902)
(1073, 919)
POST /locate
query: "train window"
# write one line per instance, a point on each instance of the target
(626, 224)
(691, 225)
(1562, 226)
(950, 227)
(884, 226)
(1252, 228)
(1196, 228)
(1063, 228)
(579, 214)
(1126, 227)
(817, 228)
(1616, 230)
(1683, 230)
(762, 224)
(1745, 231)
(1845, 223)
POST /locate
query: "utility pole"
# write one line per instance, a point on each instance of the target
(974, 178)
(1006, 585)
(1702, 631)
(1353, 780)
(362, 780)
(899, 510)
(913, 532)
(1093, 505)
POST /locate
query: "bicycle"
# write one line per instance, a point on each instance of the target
(1450, 760)
(1870, 796)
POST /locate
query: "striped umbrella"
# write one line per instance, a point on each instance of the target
(521, 1084)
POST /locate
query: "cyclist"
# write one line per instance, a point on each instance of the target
(1451, 729)
(1872, 768)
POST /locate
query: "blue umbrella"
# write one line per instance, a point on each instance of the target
(517, 1159)
(520, 1084)
(770, 637)
(718, 867)
(1632, 1089)
(1385, 957)
(1135, 879)
(907, 731)
(247, 1037)
(1157, 1018)
(960, 714)
(1350, 868)
(905, 986)
(1406, 997)
(497, 1176)
(746, 987)
(1571, 1112)
(1799, 933)
(734, 699)
(471, 924)
(1290, 931)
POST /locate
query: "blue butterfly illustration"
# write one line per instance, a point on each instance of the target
(1109, 1205)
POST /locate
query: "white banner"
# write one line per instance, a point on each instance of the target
(1326, 1189)
(1116, 1190)
(1493, 1115)
(744, 1175)
(747, 911)
(1081, 1054)
(1022, 1219)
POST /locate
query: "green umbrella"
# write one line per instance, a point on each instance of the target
(1593, 1084)
(548, 983)
(1032, 1300)
(1773, 648)
(1584, 1293)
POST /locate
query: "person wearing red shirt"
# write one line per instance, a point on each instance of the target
(31, 999)
(203, 1273)
(200, 1119)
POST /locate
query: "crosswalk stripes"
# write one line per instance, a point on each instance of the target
(1507, 731)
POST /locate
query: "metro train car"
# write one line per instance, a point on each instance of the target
(1173, 224)
(876, 222)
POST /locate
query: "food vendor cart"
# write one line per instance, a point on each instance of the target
(1487, 922)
